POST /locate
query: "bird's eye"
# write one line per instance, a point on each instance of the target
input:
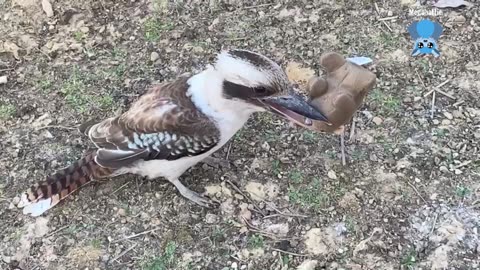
(260, 90)
(430, 45)
(420, 45)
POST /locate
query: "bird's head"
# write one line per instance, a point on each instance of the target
(254, 79)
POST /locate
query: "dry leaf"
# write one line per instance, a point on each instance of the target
(47, 7)
(363, 244)
(451, 3)
(11, 48)
(299, 74)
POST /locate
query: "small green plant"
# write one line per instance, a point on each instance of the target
(271, 136)
(7, 111)
(440, 132)
(276, 167)
(309, 196)
(45, 85)
(387, 104)
(462, 191)
(164, 262)
(77, 93)
(154, 27)
(118, 53)
(296, 176)
(423, 62)
(311, 136)
(218, 235)
(79, 36)
(409, 260)
(96, 243)
(388, 40)
(255, 241)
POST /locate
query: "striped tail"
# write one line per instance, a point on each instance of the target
(45, 195)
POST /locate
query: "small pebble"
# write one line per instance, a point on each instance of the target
(377, 120)
(154, 56)
(448, 115)
(332, 175)
(3, 79)
(121, 212)
(210, 218)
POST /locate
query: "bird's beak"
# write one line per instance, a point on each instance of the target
(295, 108)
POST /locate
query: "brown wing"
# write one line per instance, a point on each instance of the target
(162, 124)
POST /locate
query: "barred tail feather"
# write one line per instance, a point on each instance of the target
(45, 195)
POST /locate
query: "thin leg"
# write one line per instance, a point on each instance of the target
(217, 162)
(192, 195)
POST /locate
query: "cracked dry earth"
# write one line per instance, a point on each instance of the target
(408, 197)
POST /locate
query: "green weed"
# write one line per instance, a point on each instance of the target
(409, 260)
(7, 111)
(164, 262)
(309, 196)
(256, 241)
(386, 103)
(154, 27)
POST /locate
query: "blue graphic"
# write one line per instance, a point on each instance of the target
(426, 34)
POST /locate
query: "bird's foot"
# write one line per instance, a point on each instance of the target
(217, 162)
(194, 196)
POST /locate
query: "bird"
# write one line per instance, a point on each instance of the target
(177, 124)
(425, 33)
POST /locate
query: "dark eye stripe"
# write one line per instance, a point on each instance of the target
(234, 90)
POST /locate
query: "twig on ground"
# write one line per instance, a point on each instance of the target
(388, 18)
(433, 104)
(416, 191)
(386, 24)
(342, 146)
(282, 213)
(352, 130)
(458, 103)
(444, 93)
(57, 230)
(463, 164)
(125, 252)
(434, 223)
(244, 195)
(57, 126)
(118, 189)
(257, 6)
(376, 8)
(135, 235)
(290, 253)
(228, 150)
(421, 80)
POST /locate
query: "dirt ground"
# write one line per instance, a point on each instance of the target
(408, 197)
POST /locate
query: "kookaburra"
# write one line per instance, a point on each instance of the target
(177, 124)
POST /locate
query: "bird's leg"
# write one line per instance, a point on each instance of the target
(217, 162)
(192, 195)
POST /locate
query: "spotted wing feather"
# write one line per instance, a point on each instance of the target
(162, 124)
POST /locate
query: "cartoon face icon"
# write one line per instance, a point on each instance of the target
(425, 33)
(426, 46)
